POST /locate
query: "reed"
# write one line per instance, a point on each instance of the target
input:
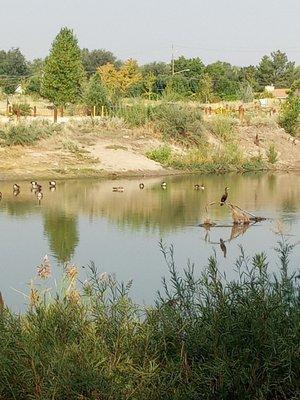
(205, 337)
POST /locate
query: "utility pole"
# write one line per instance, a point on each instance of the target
(173, 61)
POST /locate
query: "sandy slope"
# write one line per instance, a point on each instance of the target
(122, 152)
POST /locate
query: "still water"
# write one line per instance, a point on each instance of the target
(84, 220)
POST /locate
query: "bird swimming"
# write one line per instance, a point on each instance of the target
(224, 197)
(16, 187)
(39, 195)
(199, 187)
(141, 185)
(52, 184)
(164, 185)
(118, 189)
(34, 184)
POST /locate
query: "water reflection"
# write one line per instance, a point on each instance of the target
(62, 232)
(85, 220)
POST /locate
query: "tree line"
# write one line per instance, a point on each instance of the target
(73, 75)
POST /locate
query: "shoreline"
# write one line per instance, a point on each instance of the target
(115, 175)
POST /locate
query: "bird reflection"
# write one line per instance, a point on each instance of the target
(223, 247)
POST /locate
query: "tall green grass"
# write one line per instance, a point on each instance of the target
(204, 338)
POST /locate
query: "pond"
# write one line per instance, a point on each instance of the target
(84, 220)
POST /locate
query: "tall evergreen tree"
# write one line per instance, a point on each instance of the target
(63, 72)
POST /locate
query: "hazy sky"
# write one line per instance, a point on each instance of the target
(238, 31)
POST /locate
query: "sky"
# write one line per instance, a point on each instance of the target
(237, 31)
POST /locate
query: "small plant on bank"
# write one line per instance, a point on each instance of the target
(162, 155)
(272, 154)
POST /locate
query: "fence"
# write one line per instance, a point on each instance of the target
(52, 112)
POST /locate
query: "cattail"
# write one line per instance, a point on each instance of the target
(44, 269)
(73, 296)
(71, 271)
(34, 297)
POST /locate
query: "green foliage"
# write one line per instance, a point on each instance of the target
(205, 337)
(23, 108)
(222, 126)
(135, 115)
(95, 94)
(272, 154)
(289, 117)
(63, 72)
(34, 85)
(181, 123)
(24, 134)
(161, 154)
(246, 93)
(205, 91)
(63, 241)
(93, 59)
(13, 67)
(255, 163)
(276, 70)
(225, 79)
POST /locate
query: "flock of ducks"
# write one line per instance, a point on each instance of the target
(164, 186)
(36, 188)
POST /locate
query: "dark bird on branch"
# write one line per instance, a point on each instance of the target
(224, 197)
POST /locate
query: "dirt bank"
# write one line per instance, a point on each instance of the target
(121, 152)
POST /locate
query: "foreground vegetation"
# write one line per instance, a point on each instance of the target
(205, 337)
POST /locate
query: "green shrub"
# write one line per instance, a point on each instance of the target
(222, 126)
(26, 134)
(24, 109)
(95, 94)
(180, 123)
(255, 163)
(162, 155)
(289, 117)
(135, 115)
(272, 154)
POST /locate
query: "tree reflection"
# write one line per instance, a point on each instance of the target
(62, 232)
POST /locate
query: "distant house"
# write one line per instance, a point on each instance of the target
(19, 90)
(279, 94)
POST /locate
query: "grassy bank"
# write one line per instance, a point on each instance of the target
(205, 338)
(175, 135)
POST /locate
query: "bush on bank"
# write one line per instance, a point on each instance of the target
(205, 337)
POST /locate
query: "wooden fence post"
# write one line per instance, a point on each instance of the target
(34, 111)
(62, 111)
(241, 112)
(55, 115)
(18, 114)
(102, 111)
(94, 111)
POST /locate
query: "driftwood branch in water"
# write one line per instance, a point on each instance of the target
(239, 217)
